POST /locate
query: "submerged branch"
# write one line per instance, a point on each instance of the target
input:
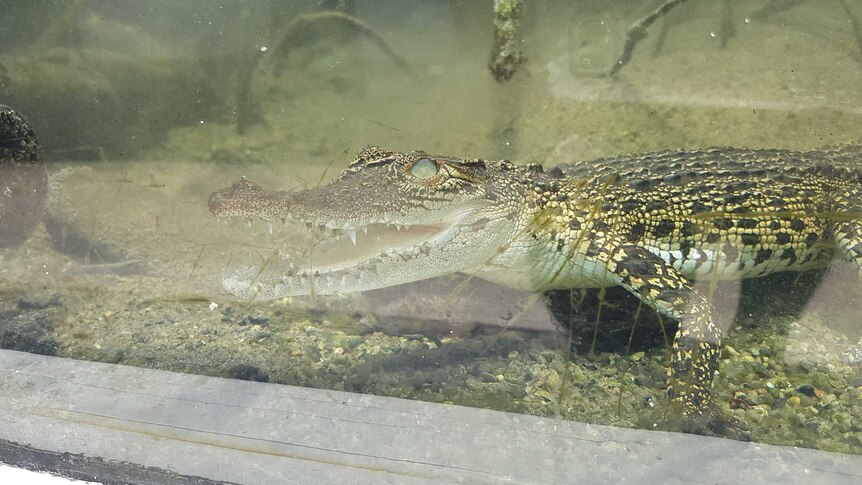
(505, 53)
(305, 29)
(638, 32)
(854, 22)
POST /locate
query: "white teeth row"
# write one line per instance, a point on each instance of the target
(323, 227)
(351, 233)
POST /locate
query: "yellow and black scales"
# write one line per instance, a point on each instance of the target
(651, 223)
(660, 220)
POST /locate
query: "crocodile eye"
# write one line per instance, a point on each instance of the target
(424, 169)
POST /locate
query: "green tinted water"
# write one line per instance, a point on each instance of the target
(154, 95)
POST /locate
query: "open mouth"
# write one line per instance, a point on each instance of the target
(348, 256)
(367, 246)
(364, 258)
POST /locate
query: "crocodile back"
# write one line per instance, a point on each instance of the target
(844, 162)
(728, 212)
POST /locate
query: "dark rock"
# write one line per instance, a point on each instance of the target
(248, 372)
(255, 320)
(28, 332)
(23, 179)
(806, 389)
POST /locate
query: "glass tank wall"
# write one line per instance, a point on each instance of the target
(144, 109)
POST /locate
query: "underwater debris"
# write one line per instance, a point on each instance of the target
(775, 7)
(505, 53)
(854, 22)
(638, 32)
(309, 27)
(726, 30)
(305, 29)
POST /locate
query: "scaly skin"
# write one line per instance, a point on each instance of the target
(651, 223)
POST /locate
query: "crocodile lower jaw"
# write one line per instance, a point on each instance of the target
(374, 256)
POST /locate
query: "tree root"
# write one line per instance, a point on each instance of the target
(638, 32)
(505, 53)
(305, 29)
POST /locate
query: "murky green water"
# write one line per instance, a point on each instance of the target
(145, 108)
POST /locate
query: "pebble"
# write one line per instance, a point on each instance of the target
(806, 389)
(258, 319)
(793, 401)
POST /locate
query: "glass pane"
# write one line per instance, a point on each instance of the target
(451, 278)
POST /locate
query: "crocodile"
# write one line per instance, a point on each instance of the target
(652, 223)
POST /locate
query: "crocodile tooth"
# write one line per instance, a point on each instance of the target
(398, 227)
(321, 227)
(352, 236)
(269, 227)
(365, 230)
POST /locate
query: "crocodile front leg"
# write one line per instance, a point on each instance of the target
(696, 344)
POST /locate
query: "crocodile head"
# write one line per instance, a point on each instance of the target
(396, 218)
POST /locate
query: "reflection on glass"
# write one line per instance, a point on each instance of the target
(556, 290)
